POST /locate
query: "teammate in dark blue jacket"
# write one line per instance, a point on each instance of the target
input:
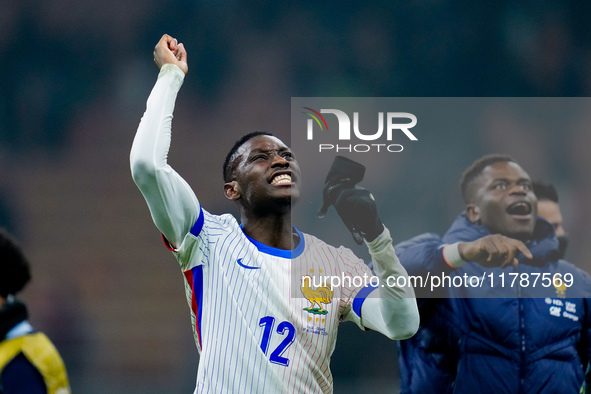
(499, 332)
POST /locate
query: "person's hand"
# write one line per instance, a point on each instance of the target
(494, 250)
(357, 208)
(169, 51)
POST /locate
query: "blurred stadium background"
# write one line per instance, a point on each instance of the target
(75, 78)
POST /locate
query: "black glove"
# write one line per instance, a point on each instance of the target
(344, 173)
(339, 186)
(358, 210)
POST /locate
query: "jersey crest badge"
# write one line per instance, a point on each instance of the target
(321, 295)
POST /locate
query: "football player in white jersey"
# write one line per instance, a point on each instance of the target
(261, 324)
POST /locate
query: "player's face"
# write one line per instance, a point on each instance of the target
(550, 211)
(266, 171)
(504, 201)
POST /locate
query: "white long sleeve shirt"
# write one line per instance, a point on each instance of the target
(257, 325)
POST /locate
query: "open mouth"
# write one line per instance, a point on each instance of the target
(520, 209)
(282, 179)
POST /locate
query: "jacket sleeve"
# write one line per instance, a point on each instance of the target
(423, 254)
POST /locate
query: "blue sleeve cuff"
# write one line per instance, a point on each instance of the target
(360, 298)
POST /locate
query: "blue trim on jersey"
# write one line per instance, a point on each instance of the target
(360, 298)
(198, 226)
(286, 254)
(198, 292)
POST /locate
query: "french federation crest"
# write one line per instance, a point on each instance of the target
(316, 297)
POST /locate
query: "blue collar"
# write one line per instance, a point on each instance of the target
(286, 254)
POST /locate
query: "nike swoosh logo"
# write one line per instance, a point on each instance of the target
(239, 261)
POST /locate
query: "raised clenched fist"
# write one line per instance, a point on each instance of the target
(169, 51)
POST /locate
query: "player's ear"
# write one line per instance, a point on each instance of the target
(232, 191)
(473, 213)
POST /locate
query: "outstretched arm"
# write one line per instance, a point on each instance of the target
(394, 312)
(172, 203)
(423, 254)
(428, 253)
(494, 250)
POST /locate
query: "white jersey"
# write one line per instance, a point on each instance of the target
(258, 326)
(254, 332)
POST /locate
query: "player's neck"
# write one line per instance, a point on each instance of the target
(275, 231)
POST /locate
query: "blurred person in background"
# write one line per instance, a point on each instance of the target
(549, 209)
(498, 336)
(29, 363)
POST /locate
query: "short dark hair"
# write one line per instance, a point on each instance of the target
(476, 168)
(14, 267)
(229, 162)
(545, 191)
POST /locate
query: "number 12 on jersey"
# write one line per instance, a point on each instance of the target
(284, 328)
